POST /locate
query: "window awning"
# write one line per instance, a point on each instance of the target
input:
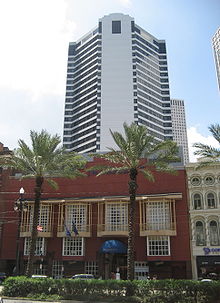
(113, 247)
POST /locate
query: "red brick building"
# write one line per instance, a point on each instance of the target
(97, 208)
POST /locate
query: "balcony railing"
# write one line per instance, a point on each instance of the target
(46, 215)
(112, 230)
(83, 224)
(166, 229)
(26, 229)
(84, 230)
(158, 216)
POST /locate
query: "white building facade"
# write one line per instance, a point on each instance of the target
(216, 48)
(204, 210)
(179, 127)
(116, 73)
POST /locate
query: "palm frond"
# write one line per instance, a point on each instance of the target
(166, 168)
(45, 158)
(116, 170)
(147, 174)
(206, 151)
(52, 183)
(135, 145)
(215, 130)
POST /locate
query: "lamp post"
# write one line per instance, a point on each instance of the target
(19, 206)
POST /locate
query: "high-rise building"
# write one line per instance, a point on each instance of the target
(216, 48)
(179, 127)
(116, 73)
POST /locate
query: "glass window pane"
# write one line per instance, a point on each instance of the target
(116, 27)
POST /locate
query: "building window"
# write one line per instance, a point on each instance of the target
(44, 220)
(73, 246)
(57, 269)
(214, 234)
(76, 217)
(91, 267)
(158, 215)
(116, 27)
(209, 180)
(211, 200)
(197, 201)
(195, 181)
(141, 270)
(200, 233)
(116, 216)
(158, 246)
(40, 249)
(44, 217)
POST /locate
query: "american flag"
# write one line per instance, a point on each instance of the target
(39, 228)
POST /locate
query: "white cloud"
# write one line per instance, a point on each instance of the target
(34, 40)
(126, 3)
(193, 137)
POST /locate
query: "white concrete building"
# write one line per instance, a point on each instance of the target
(179, 127)
(116, 73)
(216, 48)
(204, 210)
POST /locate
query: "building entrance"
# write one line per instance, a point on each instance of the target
(113, 260)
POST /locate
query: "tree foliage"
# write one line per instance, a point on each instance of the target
(207, 153)
(43, 160)
(138, 152)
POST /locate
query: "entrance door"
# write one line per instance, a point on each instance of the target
(114, 263)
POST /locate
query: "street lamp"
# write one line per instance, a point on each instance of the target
(19, 206)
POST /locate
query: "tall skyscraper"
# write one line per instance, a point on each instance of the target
(216, 48)
(116, 73)
(179, 127)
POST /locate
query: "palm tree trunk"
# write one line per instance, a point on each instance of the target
(38, 181)
(131, 227)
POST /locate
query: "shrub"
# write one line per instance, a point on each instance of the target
(148, 291)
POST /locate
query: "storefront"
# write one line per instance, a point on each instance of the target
(208, 266)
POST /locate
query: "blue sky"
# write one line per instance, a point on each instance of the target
(33, 57)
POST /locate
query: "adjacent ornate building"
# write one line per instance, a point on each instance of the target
(204, 210)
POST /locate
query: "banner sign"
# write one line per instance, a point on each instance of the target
(208, 250)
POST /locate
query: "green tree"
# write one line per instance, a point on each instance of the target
(43, 160)
(207, 153)
(138, 152)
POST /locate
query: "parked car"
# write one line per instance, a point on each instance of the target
(2, 277)
(83, 276)
(38, 276)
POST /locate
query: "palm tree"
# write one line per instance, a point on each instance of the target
(138, 152)
(207, 153)
(42, 161)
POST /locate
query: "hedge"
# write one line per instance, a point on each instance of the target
(146, 291)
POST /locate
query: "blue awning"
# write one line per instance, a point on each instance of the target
(113, 247)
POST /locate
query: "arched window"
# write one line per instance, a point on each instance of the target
(200, 233)
(214, 234)
(197, 201)
(211, 200)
